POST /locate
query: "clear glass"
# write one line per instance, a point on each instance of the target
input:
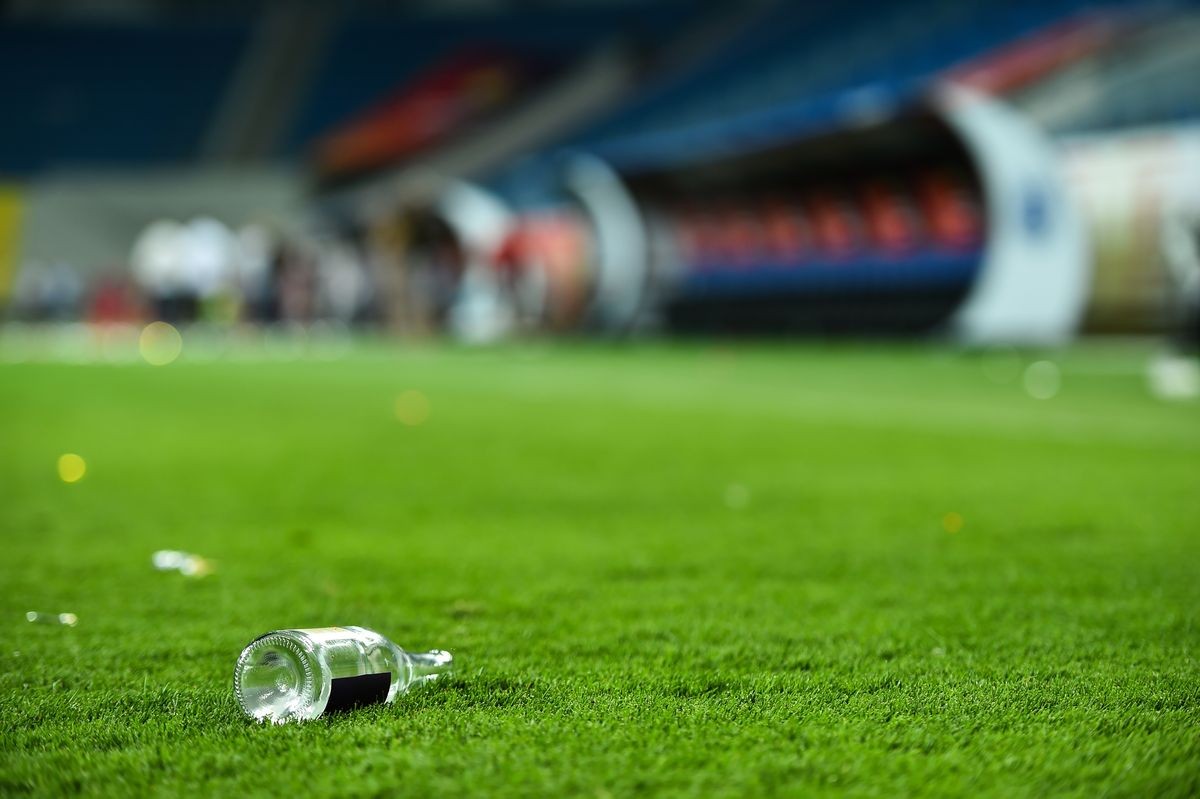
(296, 675)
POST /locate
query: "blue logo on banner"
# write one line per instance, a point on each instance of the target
(1035, 212)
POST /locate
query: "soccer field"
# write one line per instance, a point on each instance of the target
(666, 570)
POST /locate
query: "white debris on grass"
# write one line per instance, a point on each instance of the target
(1174, 378)
(186, 563)
(64, 619)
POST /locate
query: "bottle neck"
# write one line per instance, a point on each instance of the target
(429, 666)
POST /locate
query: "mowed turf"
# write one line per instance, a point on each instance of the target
(666, 570)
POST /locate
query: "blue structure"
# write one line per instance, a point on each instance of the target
(111, 94)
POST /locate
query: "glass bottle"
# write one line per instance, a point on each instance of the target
(297, 675)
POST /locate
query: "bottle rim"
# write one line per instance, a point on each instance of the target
(305, 689)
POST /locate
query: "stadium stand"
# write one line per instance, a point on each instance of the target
(369, 58)
(111, 94)
(798, 65)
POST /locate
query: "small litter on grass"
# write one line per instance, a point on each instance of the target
(1174, 378)
(64, 619)
(187, 564)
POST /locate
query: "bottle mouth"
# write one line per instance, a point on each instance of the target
(274, 681)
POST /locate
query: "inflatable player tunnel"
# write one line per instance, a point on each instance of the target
(880, 215)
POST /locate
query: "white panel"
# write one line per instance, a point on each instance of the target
(1033, 283)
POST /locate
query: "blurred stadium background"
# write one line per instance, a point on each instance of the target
(760, 398)
(984, 172)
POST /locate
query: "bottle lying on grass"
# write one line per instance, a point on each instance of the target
(296, 675)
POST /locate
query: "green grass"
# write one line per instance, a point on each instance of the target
(563, 523)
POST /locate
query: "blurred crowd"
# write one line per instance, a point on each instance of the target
(204, 271)
(472, 267)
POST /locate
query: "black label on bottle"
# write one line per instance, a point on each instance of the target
(347, 693)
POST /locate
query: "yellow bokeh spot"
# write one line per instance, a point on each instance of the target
(71, 467)
(952, 522)
(160, 343)
(412, 408)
